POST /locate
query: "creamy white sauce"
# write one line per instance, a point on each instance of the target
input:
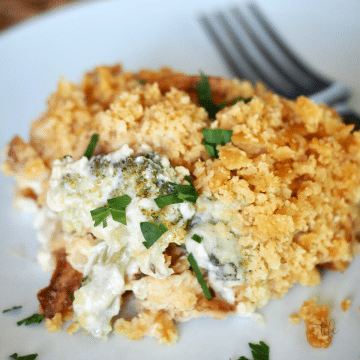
(219, 251)
(97, 302)
(78, 187)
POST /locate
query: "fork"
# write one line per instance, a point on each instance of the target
(252, 49)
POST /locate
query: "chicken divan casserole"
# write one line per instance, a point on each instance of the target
(278, 202)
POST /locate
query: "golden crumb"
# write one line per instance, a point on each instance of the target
(345, 305)
(181, 296)
(54, 324)
(154, 324)
(319, 329)
(294, 319)
(74, 327)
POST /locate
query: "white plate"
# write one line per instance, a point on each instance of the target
(74, 39)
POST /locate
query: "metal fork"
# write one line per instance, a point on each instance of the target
(253, 50)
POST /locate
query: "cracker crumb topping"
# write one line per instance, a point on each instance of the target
(288, 182)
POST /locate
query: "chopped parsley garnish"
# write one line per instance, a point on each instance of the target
(199, 276)
(205, 99)
(151, 232)
(197, 238)
(182, 193)
(99, 215)
(82, 283)
(240, 98)
(91, 147)
(33, 319)
(259, 352)
(170, 199)
(214, 137)
(25, 357)
(141, 81)
(116, 207)
(83, 280)
(11, 309)
(71, 296)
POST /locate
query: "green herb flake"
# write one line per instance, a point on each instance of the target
(205, 98)
(91, 147)
(182, 193)
(25, 357)
(188, 178)
(170, 199)
(214, 137)
(240, 98)
(199, 276)
(12, 309)
(116, 207)
(151, 232)
(33, 319)
(83, 280)
(211, 149)
(217, 136)
(99, 215)
(187, 192)
(71, 296)
(197, 238)
(259, 351)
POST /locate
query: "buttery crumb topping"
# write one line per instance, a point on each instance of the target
(279, 202)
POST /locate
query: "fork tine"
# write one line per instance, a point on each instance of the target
(252, 49)
(248, 68)
(261, 72)
(300, 86)
(317, 83)
(229, 60)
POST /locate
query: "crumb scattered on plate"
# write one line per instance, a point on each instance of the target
(345, 304)
(294, 319)
(319, 328)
